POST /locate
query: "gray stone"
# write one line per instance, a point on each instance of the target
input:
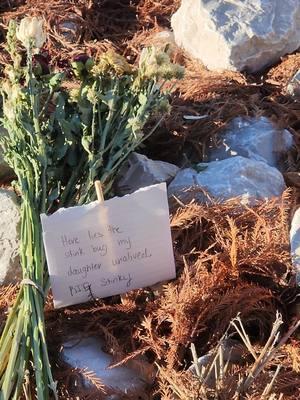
(255, 138)
(233, 352)
(86, 353)
(295, 244)
(293, 87)
(10, 270)
(226, 179)
(71, 27)
(139, 171)
(238, 34)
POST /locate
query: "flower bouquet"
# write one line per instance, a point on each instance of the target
(63, 133)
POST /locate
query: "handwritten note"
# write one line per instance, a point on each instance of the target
(103, 249)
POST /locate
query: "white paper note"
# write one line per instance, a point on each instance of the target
(103, 249)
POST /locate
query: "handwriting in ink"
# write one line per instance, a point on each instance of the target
(125, 242)
(114, 229)
(131, 257)
(95, 235)
(80, 288)
(69, 241)
(100, 249)
(84, 270)
(74, 253)
(127, 279)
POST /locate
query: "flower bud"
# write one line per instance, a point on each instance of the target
(30, 32)
(82, 64)
(81, 58)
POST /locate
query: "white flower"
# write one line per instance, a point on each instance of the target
(30, 32)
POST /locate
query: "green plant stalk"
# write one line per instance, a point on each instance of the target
(113, 137)
(26, 320)
(30, 325)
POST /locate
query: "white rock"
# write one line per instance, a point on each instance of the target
(295, 244)
(293, 87)
(233, 177)
(86, 353)
(255, 138)
(238, 34)
(140, 171)
(10, 270)
(233, 352)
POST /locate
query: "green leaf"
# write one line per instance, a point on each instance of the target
(142, 99)
(54, 194)
(56, 80)
(60, 104)
(72, 157)
(86, 142)
(109, 98)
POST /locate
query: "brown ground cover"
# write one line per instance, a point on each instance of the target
(230, 259)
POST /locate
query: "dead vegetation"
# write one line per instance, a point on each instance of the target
(93, 26)
(231, 260)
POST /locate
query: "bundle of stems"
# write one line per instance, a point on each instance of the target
(59, 141)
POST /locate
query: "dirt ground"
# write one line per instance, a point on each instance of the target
(230, 258)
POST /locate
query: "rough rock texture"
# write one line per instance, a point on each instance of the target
(85, 353)
(140, 171)
(293, 87)
(233, 177)
(10, 270)
(234, 352)
(242, 34)
(255, 138)
(295, 243)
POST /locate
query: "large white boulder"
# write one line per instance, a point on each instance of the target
(238, 34)
(226, 179)
(10, 270)
(255, 138)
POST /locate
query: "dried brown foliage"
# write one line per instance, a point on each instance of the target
(73, 26)
(233, 259)
(152, 12)
(128, 25)
(221, 97)
(230, 259)
(7, 297)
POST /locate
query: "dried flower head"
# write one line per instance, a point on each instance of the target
(112, 62)
(30, 32)
(152, 56)
(92, 95)
(156, 64)
(74, 95)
